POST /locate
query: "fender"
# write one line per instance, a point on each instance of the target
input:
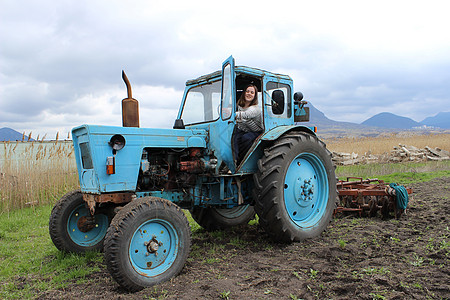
(276, 132)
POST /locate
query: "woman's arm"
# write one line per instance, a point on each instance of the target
(251, 113)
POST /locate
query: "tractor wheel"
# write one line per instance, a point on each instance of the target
(72, 229)
(212, 218)
(295, 188)
(147, 243)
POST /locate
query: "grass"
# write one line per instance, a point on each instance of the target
(30, 262)
(398, 172)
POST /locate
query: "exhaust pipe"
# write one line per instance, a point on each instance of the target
(130, 107)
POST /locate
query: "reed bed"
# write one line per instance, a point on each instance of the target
(35, 173)
(386, 143)
(40, 172)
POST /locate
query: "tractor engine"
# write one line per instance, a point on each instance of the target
(163, 169)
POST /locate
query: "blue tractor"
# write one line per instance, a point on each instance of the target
(136, 181)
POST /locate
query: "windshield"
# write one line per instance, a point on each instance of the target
(202, 103)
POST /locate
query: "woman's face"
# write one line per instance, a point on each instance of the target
(250, 94)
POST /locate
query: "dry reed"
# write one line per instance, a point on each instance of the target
(383, 144)
(38, 172)
(35, 173)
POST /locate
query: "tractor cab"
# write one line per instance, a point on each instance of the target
(210, 103)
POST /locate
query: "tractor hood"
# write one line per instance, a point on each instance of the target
(97, 146)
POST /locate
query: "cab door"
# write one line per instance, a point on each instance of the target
(222, 130)
(277, 102)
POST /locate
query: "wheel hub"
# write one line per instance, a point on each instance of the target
(86, 223)
(85, 229)
(152, 246)
(304, 191)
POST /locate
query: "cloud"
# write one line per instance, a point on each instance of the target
(61, 62)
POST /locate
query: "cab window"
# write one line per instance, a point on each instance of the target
(279, 95)
(202, 103)
(227, 96)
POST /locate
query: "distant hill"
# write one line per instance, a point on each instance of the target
(328, 128)
(8, 134)
(390, 120)
(318, 118)
(441, 120)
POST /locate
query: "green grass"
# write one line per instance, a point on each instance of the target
(399, 173)
(29, 261)
(410, 177)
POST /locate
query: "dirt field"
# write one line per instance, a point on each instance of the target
(356, 258)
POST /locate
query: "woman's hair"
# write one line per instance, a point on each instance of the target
(241, 101)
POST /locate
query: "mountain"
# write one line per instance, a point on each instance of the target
(318, 118)
(327, 128)
(8, 134)
(389, 120)
(441, 120)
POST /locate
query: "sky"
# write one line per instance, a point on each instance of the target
(61, 61)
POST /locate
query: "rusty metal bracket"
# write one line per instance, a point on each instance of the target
(93, 199)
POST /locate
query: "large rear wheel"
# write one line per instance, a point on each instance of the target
(295, 187)
(147, 243)
(212, 218)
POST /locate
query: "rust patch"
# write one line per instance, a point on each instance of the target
(86, 224)
(92, 199)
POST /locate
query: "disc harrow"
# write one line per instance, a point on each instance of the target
(368, 197)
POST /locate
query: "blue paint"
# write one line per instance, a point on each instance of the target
(154, 247)
(128, 159)
(93, 236)
(306, 190)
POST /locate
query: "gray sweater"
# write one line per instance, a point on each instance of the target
(249, 119)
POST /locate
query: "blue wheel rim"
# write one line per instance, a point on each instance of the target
(91, 237)
(306, 190)
(153, 247)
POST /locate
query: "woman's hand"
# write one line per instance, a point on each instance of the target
(226, 113)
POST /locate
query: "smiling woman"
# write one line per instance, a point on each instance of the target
(249, 121)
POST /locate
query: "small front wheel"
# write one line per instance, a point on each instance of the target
(147, 243)
(73, 229)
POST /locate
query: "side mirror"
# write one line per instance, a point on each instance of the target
(179, 124)
(298, 96)
(278, 102)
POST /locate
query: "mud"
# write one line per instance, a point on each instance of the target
(356, 258)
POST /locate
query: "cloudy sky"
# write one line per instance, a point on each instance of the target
(61, 61)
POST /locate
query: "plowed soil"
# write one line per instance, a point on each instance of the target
(355, 258)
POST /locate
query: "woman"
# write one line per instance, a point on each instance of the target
(249, 122)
